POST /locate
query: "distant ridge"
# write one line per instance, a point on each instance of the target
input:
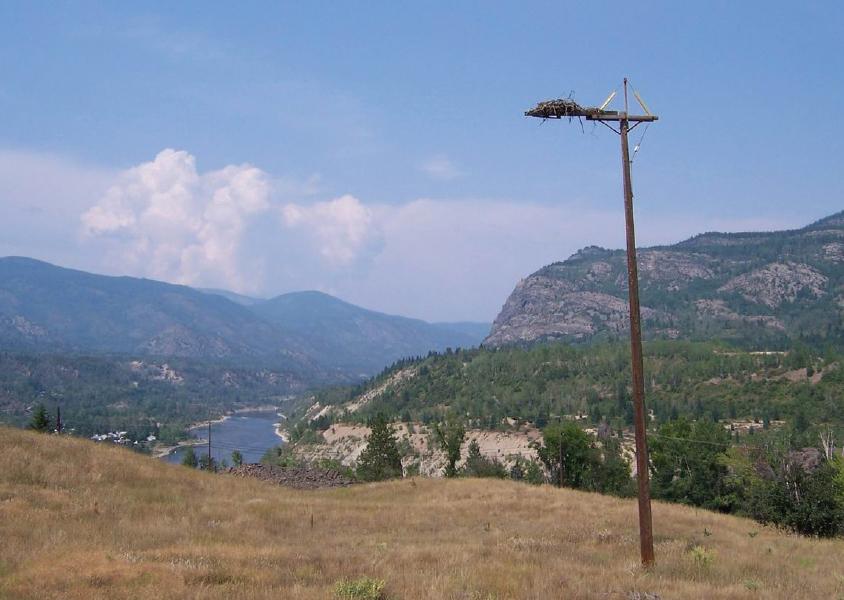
(234, 297)
(46, 308)
(357, 338)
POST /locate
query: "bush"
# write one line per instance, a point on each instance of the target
(207, 463)
(477, 465)
(332, 464)
(449, 436)
(189, 458)
(701, 556)
(686, 463)
(280, 456)
(574, 459)
(534, 473)
(810, 503)
(364, 588)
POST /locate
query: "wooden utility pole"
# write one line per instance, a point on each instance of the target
(558, 109)
(646, 536)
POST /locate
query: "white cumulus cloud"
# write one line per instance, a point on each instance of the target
(165, 220)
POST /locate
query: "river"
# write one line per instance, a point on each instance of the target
(253, 433)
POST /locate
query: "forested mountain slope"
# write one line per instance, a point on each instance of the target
(104, 393)
(50, 309)
(755, 289)
(45, 307)
(549, 381)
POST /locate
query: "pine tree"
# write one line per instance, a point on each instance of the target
(477, 465)
(380, 459)
(237, 458)
(40, 419)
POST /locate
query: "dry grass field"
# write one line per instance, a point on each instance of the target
(80, 521)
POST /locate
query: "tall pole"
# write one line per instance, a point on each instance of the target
(646, 539)
(567, 108)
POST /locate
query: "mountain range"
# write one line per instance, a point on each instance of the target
(755, 289)
(50, 309)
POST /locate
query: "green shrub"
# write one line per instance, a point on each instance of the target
(281, 456)
(478, 465)
(364, 588)
(332, 464)
(189, 458)
(449, 436)
(702, 556)
(810, 503)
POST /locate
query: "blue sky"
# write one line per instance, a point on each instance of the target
(378, 150)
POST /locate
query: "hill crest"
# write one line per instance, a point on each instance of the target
(82, 520)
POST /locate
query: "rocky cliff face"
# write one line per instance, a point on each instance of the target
(754, 288)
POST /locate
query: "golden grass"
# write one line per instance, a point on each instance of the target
(79, 521)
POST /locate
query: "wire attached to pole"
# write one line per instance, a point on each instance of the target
(639, 145)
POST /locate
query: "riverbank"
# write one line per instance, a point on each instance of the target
(164, 451)
(281, 432)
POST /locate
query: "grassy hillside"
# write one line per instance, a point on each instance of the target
(79, 520)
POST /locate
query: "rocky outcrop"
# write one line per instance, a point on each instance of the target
(674, 268)
(746, 286)
(834, 252)
(719, 311)
(300, 478)
(542, 308)
(777, 283)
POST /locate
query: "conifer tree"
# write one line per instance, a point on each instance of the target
(189, 459)
(40, 419)
(380, 459)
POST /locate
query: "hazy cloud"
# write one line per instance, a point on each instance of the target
(441, 168)
(41, 198)
(340, 229)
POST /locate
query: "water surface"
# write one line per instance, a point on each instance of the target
(253, 433)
